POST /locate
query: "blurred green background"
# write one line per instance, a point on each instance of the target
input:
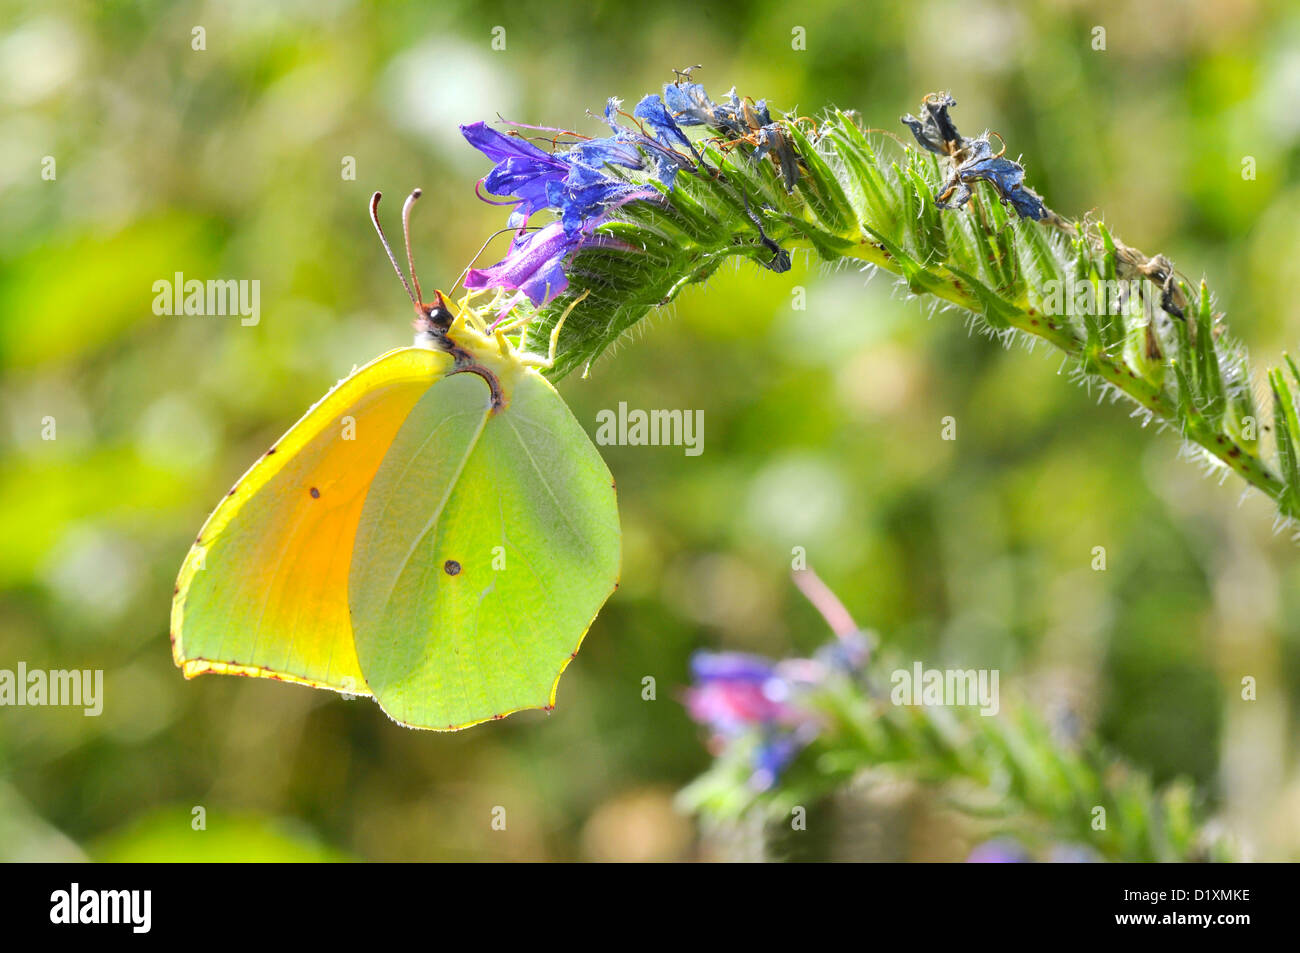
(822, 426)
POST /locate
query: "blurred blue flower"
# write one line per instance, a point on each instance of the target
(737, 695)
(734, 692)
(848, 653)
(1072, 854)
(1000, 851)
(772, 756)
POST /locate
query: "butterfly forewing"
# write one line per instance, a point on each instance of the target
(264, 589)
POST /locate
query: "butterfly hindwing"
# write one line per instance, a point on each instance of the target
(471, 605)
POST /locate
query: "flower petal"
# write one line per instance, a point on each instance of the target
(533, 265)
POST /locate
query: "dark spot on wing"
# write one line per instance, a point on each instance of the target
(451, 567)
(315, 493)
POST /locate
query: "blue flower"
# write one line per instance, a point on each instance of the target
(689, 104)
(663, 146)
(612, 150)
(577, 185)
(522, 170)
(1005, 176)
(654, 113)
(588, 193)
(973, 160)
(936, 131)
(1001, 851)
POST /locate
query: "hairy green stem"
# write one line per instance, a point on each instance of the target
(1106, 366)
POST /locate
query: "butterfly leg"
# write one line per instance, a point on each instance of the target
(549, 360)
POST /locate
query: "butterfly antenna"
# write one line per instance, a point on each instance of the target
(374, 220)
(406, 234)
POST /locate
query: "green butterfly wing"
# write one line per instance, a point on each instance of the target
(487, 543)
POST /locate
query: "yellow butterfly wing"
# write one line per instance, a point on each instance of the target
(264, 589)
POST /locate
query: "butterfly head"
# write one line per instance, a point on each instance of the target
(433, 318)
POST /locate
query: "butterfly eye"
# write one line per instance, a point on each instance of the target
(438, 315)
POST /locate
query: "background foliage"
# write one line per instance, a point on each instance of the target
(822, 426)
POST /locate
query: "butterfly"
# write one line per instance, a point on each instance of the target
(438, 532)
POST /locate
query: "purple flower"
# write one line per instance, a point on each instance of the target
(522, 170)
(533, 266)
(588, 193)
(577, 185)
(1072, 854)
(734, 691)
(737, 695)
(1001, 851)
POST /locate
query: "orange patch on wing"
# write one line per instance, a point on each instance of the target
(265, 593)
